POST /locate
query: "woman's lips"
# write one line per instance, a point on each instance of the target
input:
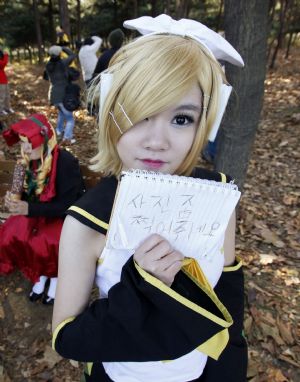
(154, 164)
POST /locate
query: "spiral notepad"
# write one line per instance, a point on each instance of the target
(192, 214)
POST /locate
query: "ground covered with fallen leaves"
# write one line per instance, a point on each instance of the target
(267, 239)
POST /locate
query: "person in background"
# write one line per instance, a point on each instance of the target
(5, 107)
(155, 320)
(210, 150)
(88, 57)
(57, 73)
(62, 38)
(115, 41)
(51, 182)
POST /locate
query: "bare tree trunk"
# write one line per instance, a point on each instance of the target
(29, 54)
(115, 13)
(38, 31)
(51, 22)
(288, 45)
(135, 9)
(154, 8)
(167, 7)
(246, 28)
(283, 10)
(64, 16)
(220, 15)
(11, 56)
(272, 6)
(182, 7)
(78, 20)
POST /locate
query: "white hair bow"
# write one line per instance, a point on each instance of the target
(219, 47)
(106, 79)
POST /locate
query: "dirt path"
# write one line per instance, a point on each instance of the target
(268, 240)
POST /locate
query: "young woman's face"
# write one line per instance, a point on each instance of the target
(30, 152)
(162, 142)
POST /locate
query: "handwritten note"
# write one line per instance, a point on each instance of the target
(191, 213)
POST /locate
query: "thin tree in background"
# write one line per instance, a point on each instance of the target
(38, 30)
(246, 28)
(64, 16)
(219, 17)
(78, 20)
(135, 9)
(284, 5)
(166, 7)
(153, 8)
(292, 24)
(51, 22)
(182, 8)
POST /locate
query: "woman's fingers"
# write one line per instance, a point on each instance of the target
(172, 258)
(17, 207)
(7, 199)
(156, 256)
(170, 273)
(149, 243)
(152, 249)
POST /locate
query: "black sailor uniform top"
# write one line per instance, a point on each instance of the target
(141, 321)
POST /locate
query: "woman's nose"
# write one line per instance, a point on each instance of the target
(157, 138)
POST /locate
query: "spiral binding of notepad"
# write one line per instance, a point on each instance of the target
(177, 179)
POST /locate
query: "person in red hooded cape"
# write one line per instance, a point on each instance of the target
(29, 238)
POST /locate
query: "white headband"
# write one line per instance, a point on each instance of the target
(219, 47)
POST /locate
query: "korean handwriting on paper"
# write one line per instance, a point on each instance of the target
(169, 214)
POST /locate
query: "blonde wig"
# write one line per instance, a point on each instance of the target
(151, 74)
(46, 162)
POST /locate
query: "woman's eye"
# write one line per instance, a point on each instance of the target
(183, 120)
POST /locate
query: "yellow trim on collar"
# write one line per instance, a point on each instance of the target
(88, 368)
(191, 267)
(232, 268)
(223, 177)
(225, 323)
(215, 345)
(89, 216)
(57, 329)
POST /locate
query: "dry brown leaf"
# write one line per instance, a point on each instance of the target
(248, 324)
(50, 357)
(271, 237)
(271, 331)
(269, 258)
(253, 367)
(253, 285)
(296, 117)
(276, 375)
(285, 331)
(289, 199)
(292, 281)
(74, 363)
(2, 313)
(255, 379)
(289, 360)
(269, 346)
